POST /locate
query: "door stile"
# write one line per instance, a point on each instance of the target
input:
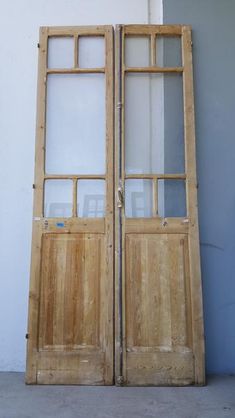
(119, 184)
(109, 228)
(192, 207)
(34, 290)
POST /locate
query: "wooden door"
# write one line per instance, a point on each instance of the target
(157, 309)
(70, 330)
(159, 322)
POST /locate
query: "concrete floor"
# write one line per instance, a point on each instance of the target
(216, 400)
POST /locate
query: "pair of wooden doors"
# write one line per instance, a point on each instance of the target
(115, 289)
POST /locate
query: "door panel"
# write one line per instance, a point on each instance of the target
(156, 275)
(158, 338)
(71, 278)
(159, 326)
(70, 329)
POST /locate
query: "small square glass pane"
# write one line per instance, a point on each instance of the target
(171, 198)
(58, 198)
(61, 52)
(91, 52)
(91, 198)
(137, 51)
(168, 51)
(138, 198)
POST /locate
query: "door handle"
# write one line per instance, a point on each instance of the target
(120, 197)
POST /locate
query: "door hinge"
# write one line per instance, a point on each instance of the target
(120, 380)
(27, 336)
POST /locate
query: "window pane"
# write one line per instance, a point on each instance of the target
(58, 198)
(168, 51)
(91, 51)
(138, 198)
(171, 198)
(75, 124)
(60, 52)
(137, 51)
(154, 123)
(91, 198)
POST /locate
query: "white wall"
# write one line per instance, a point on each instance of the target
(19, 24)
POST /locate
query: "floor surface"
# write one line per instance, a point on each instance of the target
(216, 400)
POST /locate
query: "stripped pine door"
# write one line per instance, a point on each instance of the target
(159, 320)
(70, 331)
(136, 318)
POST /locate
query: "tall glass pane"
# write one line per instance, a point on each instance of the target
(154, 123)
(75, 124)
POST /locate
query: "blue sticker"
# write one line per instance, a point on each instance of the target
(60, 224)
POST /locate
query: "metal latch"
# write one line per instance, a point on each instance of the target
(120, 197)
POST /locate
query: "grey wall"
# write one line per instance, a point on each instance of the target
(214, 63)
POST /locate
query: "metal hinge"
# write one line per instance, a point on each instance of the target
(119, 105)
(27, 336)
(120, 380)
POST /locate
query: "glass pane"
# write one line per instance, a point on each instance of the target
(171, 198)
(138, 198)
(91, 51)
(168, 51)
(58, 198)
(91, 198)
(154, 123)
(75, 124)
(60, 52)
(137, 51)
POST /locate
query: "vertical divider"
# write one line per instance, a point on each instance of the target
(120, 211)
(76, 51)
(109, 219)
(123, 290)
(153, 49)
(155, 196)
(75, 192)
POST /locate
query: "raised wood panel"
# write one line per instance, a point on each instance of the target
(157, 281)
(70, 286)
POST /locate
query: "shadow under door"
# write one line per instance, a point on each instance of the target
(115, 288)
